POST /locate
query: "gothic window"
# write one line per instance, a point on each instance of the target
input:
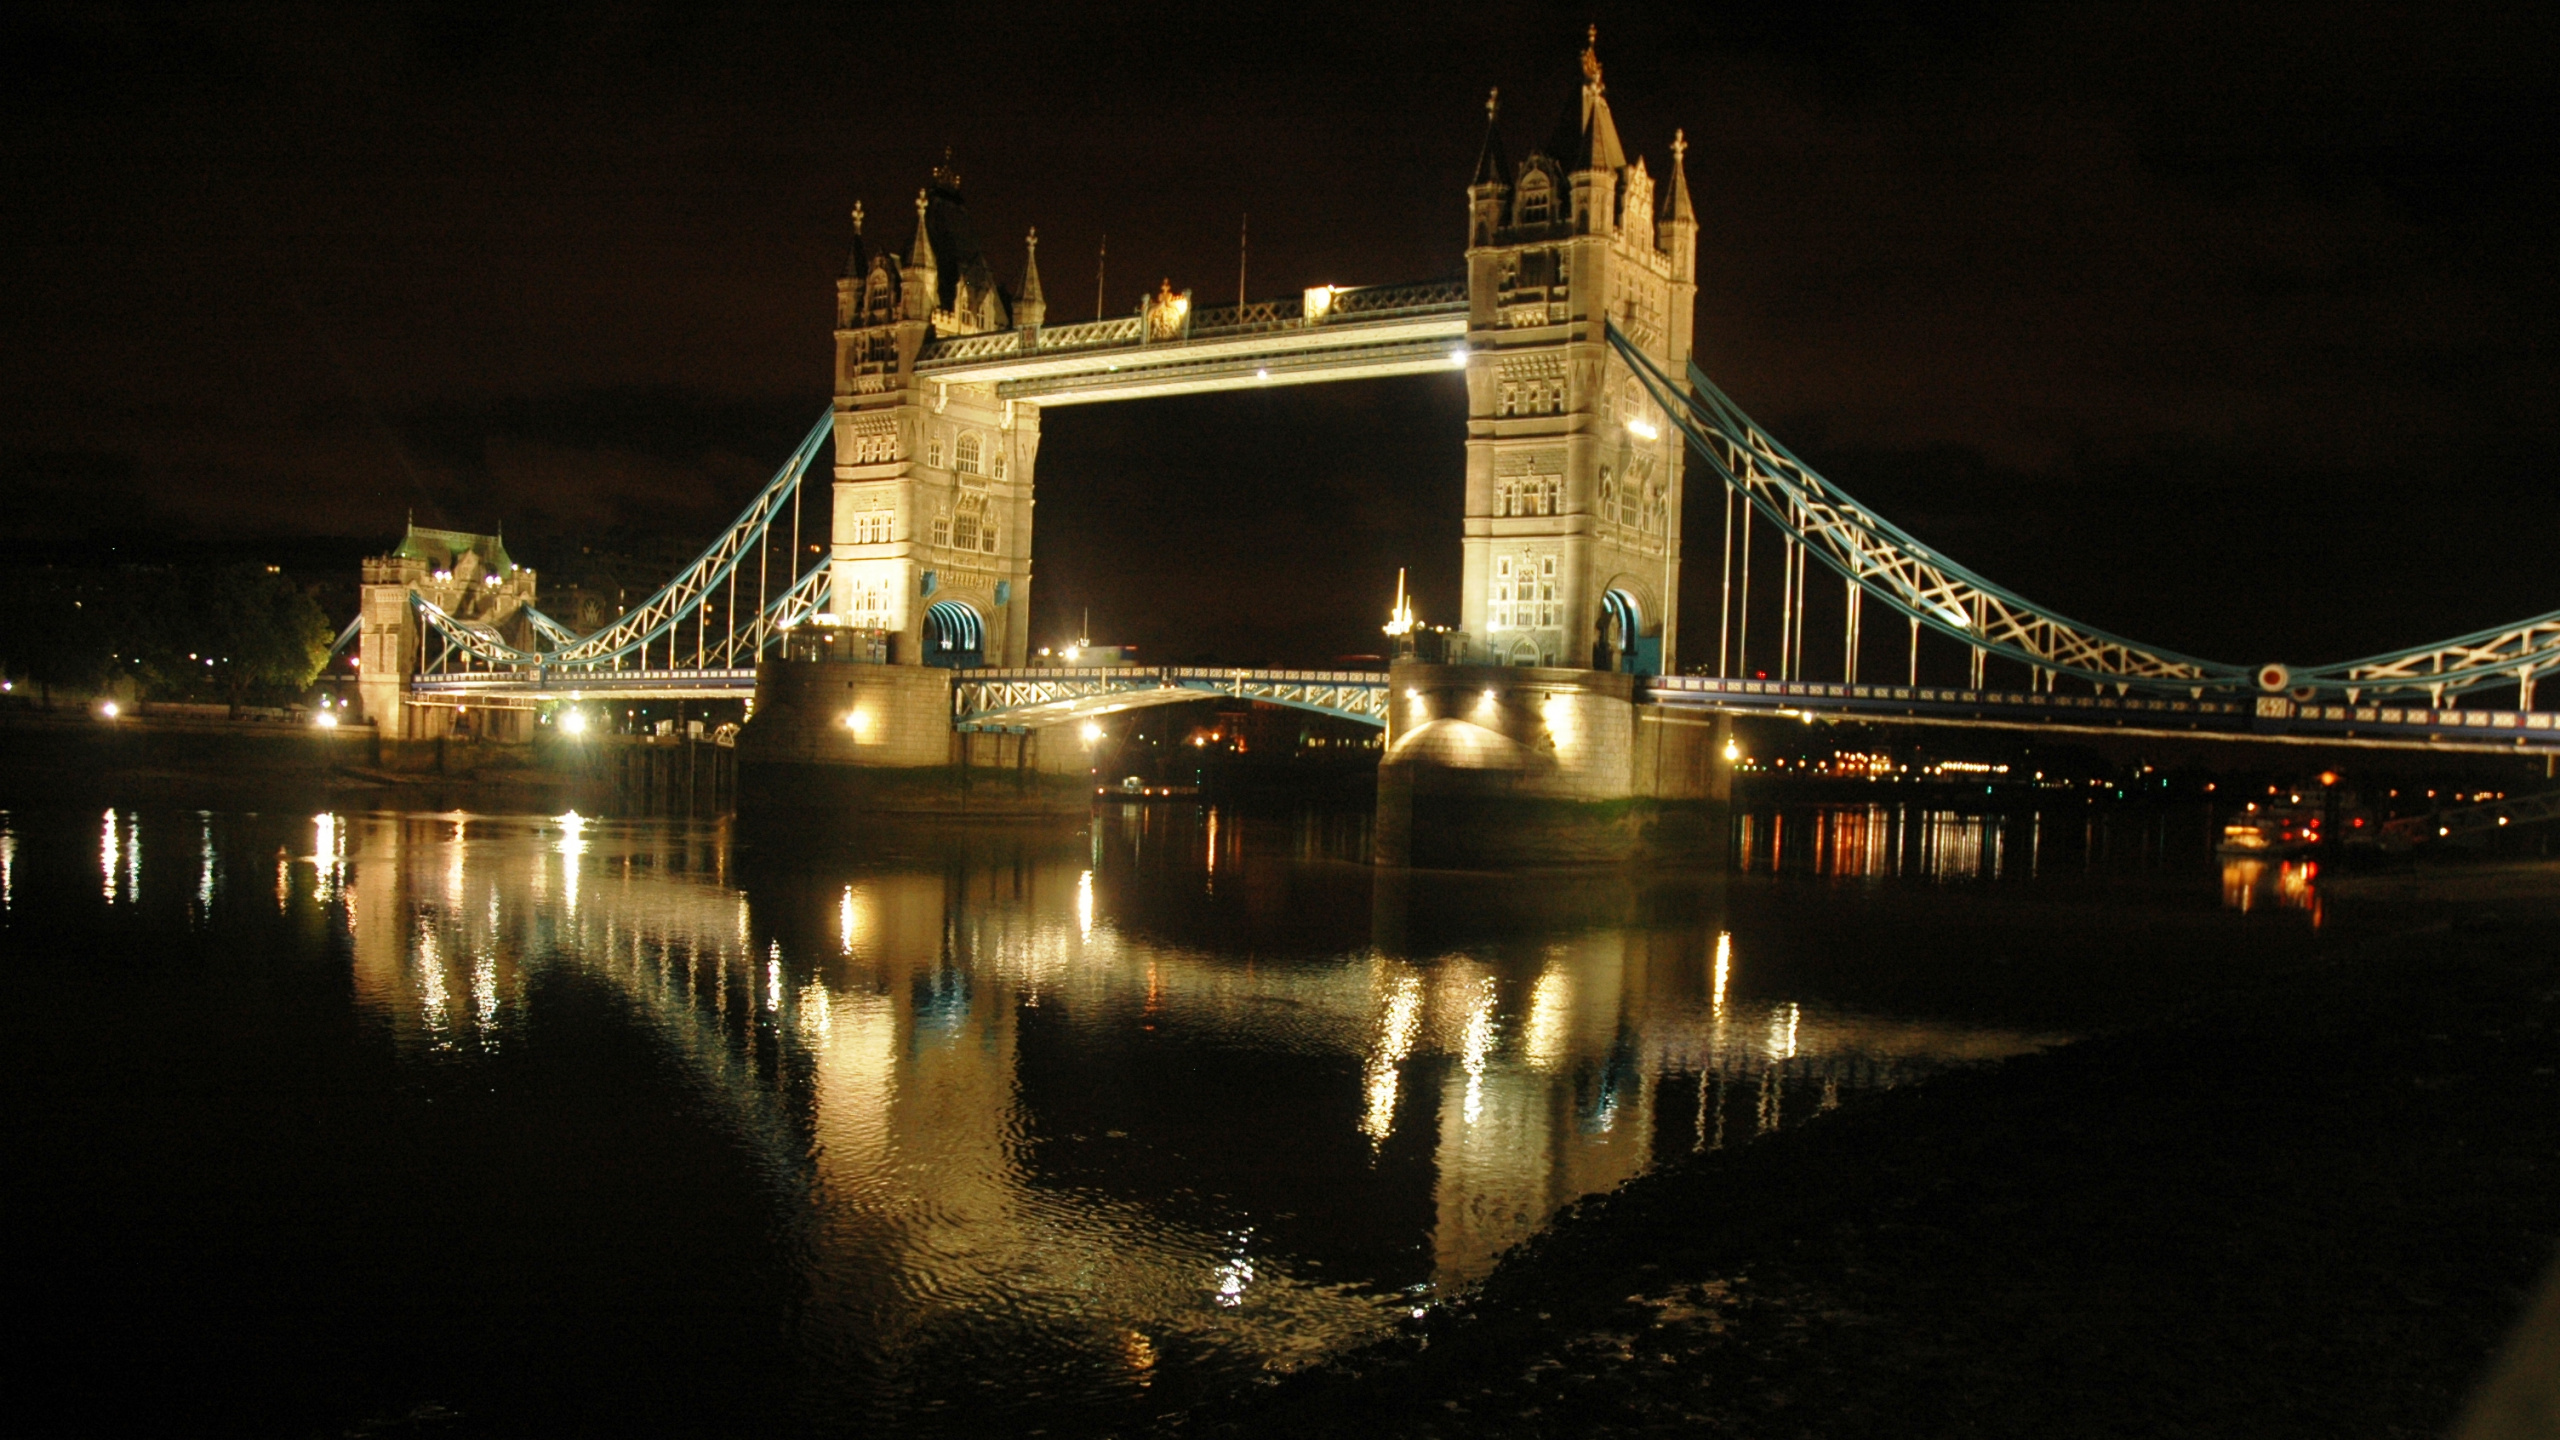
(933, 450)
(1501, 619)
(1537, 198)
(1547, 590)
(966, 456)
(942, 530)
(964, 532)
(998, 457)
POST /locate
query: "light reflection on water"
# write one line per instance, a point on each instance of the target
(1948, 846)
(1155, 1102)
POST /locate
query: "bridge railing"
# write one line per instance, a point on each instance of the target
(1062, 691)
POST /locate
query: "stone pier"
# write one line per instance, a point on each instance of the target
(1516, 765)
(855, 736)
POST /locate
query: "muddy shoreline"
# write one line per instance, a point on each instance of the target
(2309, 1204)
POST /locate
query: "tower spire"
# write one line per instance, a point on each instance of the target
(1033, 307)
(921, 253)
(1680, 207)
(1493, 167)
(923, 279)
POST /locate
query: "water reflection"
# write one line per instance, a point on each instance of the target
(1950, 845)
(1055, 1122)
(2251, 884)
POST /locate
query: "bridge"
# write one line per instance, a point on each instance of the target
(1570, 328)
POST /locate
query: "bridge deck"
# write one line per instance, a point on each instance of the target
(2264, 718)
(1018, 698)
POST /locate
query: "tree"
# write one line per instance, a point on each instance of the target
(55, 627)
(265, 635)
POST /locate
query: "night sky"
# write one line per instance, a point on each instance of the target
(2226, 327)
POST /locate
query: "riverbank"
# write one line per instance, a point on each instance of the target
(2310, 1204)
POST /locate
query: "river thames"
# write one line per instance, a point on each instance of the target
(361, 1122)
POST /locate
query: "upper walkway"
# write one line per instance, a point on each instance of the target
(1330, 334)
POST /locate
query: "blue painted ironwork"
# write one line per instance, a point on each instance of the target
(994, 699)
(1890, 564)
(694, 620)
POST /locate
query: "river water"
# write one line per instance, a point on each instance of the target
(373, 1123)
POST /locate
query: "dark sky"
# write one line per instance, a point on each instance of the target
(2229, 327)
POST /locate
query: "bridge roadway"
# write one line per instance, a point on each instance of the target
(1028, 698)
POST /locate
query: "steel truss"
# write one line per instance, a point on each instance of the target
(699, 622)
(1884, 561)
(2519, 654)
(1892, 566)
(1016, 697)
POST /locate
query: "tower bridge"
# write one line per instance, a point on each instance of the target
(1570, 328)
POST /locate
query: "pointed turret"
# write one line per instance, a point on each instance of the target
(1033, 307)
(923, 282)
(1489, 194)
(857, 268)
(1676, 228)
(1680, 208)
(857, 263)
(1493, 167)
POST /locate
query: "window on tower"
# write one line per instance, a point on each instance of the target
(966, 456)
(1537, 198)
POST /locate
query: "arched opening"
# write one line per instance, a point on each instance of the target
(1629, 650)
(954, 637)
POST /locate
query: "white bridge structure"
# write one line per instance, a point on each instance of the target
(1570, 329)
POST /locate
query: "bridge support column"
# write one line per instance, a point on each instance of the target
(855, 737)
(1513, 765)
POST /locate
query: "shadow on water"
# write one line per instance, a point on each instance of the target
(933, 1128)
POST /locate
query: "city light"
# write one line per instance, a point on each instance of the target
(1092, 733)
(325, 720)
(1643, 428)
(573, 722)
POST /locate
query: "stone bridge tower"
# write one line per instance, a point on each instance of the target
(932, 504)
(1573, 476)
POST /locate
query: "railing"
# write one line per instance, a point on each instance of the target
(2263, 716)
(1061, 693)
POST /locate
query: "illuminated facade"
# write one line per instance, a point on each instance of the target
(1573, 476)
(932, 501)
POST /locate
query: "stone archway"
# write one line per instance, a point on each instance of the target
(955, 638)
